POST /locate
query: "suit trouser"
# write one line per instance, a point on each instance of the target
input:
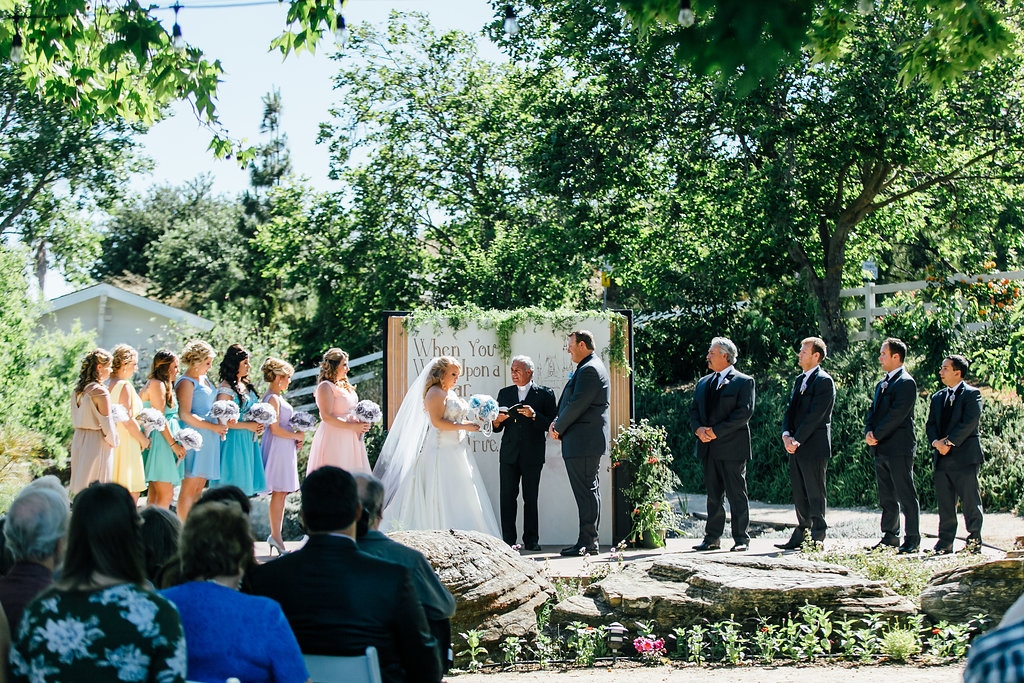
(960, 483)
(726, 479)
(896, 490)
(807, 478)
(510, 473)
(582, 473)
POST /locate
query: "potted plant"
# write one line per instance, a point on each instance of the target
(642, 450)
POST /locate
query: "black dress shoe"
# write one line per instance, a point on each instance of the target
(707, 545)
(738, 548)
(941, 549)
(572, 551)
(789, 545)
(972, 548)
(909, 549)
(533, 547)
(884, 543)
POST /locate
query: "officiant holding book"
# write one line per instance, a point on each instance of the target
(526, 411)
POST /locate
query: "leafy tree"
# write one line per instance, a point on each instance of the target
(273, 160)
(55, 168)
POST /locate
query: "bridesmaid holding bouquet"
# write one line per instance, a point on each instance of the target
(164, 457)
(129, 471)
(337, 441)
(92, 446)
(280, 447)
(241, 462)
(195, 398)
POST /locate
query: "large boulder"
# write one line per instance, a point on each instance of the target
(678, 590)
(496, 591)
(291, 528)
(960, 594)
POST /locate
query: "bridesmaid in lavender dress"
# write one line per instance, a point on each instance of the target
(337, 441)
(280, 447)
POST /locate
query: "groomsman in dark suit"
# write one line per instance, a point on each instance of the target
(807, 437)
(952, 430)
(582, 427)
(889, 434)
(531, 410)
(722, 406)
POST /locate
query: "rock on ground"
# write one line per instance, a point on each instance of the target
(291, 528)
(497, 592)
(958, 595)
(679, 590)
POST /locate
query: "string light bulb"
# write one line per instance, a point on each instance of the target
(176, 38)
(341, 32)
(17, 49)
(511, 22)
(865, 7)
(686, 15)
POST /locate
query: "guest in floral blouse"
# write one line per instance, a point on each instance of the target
(98, 623)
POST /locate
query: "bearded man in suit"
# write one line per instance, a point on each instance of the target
(723, 404)
(582, 427)
(528, 411)
(807, 438)
(952, 429)
(889, 434)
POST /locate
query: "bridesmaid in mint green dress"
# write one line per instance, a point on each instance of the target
(241, 461)
(164, 459)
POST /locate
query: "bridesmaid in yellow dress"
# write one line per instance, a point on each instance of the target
(129, 470)
(337, 440)
(92, 446)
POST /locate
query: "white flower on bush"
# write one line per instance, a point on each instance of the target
(69, 638)
(131, 663)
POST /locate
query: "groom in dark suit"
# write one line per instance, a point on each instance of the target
(807, 438)
(723, 404)
(952, 430)
(582, 427)
(889, 434)
(522, 449)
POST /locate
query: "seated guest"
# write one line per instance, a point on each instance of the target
(438, 603)
(998, 656)
(228, 633)
(339, 600)
(34, 533)
(161, 530)
(98, 623)
(227, 493)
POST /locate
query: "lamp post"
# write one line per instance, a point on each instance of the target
(616, 637)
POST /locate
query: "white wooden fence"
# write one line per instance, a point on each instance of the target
(871, 292)
(312, 372)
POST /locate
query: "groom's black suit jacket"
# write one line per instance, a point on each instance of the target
(582, 422)
(339, 600)
(523, 440)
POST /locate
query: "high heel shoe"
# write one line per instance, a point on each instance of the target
(274, 545)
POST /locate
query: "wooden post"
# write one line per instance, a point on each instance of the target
(869, 308)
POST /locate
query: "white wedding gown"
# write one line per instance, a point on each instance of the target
(442, 489)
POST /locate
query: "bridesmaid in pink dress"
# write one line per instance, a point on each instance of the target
(337, 440)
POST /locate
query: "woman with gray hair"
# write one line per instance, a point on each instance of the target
(34, 532)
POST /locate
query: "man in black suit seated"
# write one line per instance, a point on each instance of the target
(807, 438)
(339, 600)
(889, 434)
(582, 427)
(952, 429)
(438, 603)
(522, 449)
(723, 404)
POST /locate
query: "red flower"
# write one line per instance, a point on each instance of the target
(651, 461)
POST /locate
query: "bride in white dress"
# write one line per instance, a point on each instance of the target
(429, 478)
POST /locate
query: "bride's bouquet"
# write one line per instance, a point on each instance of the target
(367, 411)
(261, 413)
(482, 411)
(150, 420)
(223, 412)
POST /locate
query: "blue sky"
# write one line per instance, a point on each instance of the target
(239, 38)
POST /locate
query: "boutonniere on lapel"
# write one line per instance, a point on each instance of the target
(725, 380)
(885, 384)
(571, 374)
